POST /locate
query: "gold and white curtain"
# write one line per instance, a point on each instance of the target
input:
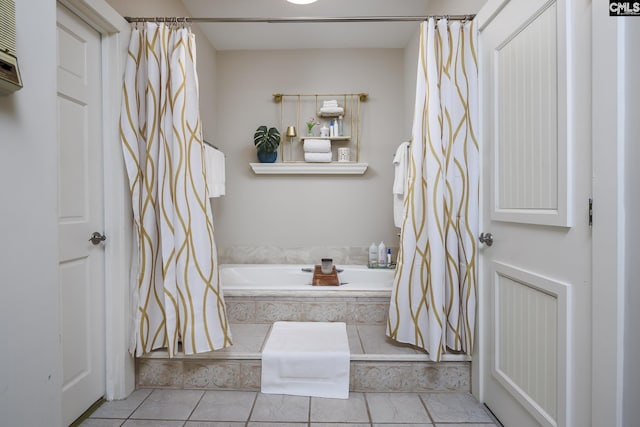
(176, 293)
(433, 304)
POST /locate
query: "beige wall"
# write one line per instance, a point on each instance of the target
(311, 210)
(410, 73)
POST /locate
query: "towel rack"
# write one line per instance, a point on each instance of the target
(351, 102)
(210, 144)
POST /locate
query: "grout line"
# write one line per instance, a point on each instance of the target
(195, 406)
(253, 406)
(366, 404)
(143, 400)
(426, 408)
(266, 337)
(364, 350)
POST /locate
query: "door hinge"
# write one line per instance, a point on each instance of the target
(590, 212)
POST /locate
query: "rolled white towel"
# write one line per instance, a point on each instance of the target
(332, 110)
(317, 157)
(317, 146)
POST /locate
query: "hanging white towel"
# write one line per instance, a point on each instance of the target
(400, 162)
(215, 171)
(317, 146)
(317, 157)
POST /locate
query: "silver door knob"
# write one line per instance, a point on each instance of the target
(486, 238)
(96, 238)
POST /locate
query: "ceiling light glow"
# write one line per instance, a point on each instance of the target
(302, 1)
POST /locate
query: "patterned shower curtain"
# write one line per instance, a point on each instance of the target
(433, 304)
(176, 293)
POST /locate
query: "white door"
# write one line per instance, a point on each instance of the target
(80, 210)
(536, 277)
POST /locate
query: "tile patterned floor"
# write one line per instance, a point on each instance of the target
(197, 408)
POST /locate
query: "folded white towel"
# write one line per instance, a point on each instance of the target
(332, 110)
(317, 146)
(306, 359)
(214, 164)
(400, 162)
(332, 103)
(317, 157)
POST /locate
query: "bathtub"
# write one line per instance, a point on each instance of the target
(241, 279)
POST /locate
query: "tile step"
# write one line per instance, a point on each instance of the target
(385, 357)
(366, 375)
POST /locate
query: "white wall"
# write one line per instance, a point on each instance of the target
(30, 364)
(307, 211)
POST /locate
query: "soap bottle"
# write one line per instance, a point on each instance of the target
(382, 255)
(388, 257)
(373, 255)
(340, 128)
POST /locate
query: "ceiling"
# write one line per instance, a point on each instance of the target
(235, 36)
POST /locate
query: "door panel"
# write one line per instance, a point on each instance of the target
(530, 132)
(530, 339)
(539, 265)
(527, 138)
(80, 212)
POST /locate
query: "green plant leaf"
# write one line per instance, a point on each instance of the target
(266, 139)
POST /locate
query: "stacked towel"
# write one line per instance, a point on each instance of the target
(214, 171)
(317, 150)
(331, 107)
(317, 146)
(317, 157)
(400, 162)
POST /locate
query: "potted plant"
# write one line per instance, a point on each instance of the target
(267, 141)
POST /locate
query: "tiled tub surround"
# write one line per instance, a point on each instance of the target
(378, 364)
(357, 255)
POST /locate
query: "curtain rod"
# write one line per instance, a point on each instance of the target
(298, 20)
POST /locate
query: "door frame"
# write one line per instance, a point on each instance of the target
(114, 32)
(483, 341)
(609, 50)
